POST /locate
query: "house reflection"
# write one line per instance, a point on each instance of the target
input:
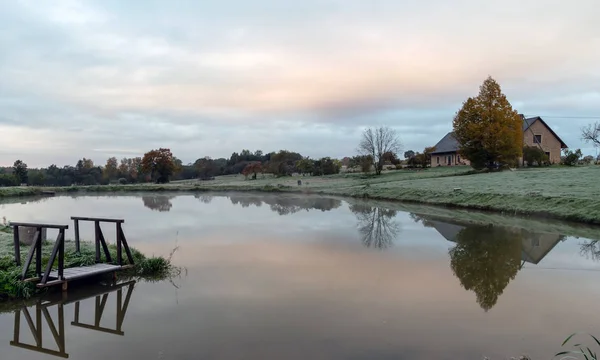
(35, 317)
(487, 257)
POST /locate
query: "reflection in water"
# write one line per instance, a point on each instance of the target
(43, 310)
(205, 199)
(591, 249)
(486, 257)
(376, 225)
(160, 203)
(287, 205)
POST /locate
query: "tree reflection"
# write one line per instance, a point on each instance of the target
(205, 199)
(285, 205)
(591, 249)
(160, 203)
(376, 225)
(485, 259)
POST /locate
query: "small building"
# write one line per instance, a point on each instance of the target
(536, 132)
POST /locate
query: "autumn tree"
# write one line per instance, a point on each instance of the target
(253, 169)
(20, 171)
(488, 130)
(111, 169)
(591, 133)
(377, 143)
(159, 164)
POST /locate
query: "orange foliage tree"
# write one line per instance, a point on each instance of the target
(253, 169)
(488, 130)
(159, 164)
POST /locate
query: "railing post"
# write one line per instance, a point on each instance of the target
(119, 244)
(38, 255)
(77, 249)
(17, 245)
(61, 255)
(97, 241)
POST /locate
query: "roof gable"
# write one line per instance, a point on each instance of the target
(447, 144)
(527, 123)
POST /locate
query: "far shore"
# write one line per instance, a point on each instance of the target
(566, 193)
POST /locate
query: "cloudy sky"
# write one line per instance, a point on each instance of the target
(100, 78)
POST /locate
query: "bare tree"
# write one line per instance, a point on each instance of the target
(377, 142)
(591, 133)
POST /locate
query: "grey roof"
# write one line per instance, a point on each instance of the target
(447, 144)
(527, 122)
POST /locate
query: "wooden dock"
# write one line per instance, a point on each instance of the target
(62, 275)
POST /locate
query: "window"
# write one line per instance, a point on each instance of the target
(537, 139)
(458, 158)
(438, 159)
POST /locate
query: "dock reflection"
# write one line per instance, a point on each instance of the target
(42, 314)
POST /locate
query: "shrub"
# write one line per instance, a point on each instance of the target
(571, 158)
(535, 156)
(123, 181)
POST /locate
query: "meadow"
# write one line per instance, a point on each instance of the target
(569, 193)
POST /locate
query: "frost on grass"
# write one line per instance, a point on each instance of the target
(154, 268)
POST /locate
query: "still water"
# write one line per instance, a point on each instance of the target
(306, 277)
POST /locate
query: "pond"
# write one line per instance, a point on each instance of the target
(306, 277)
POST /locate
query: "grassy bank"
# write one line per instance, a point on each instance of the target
(11, 287)
(556, 192)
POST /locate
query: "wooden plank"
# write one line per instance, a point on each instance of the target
(96, 328)
(61, 254)
(83, 294)
(97, 219)
(86, 271)
(17, 245)
(41, 350)
(36, 225)
(119, 247)
(97, 240)
(38, 253)
(125, 245)
(55, 251)
(77, 250)
(30, 256)
(104, 246)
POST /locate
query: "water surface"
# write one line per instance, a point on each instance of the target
(306, 277)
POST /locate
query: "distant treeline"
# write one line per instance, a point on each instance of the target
(161, 166)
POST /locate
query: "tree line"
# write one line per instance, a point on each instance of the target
(161, 166)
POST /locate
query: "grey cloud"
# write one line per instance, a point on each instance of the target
(210, 78)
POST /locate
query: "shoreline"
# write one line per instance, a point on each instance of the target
(560, 193)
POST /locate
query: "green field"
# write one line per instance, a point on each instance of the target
(571, 193)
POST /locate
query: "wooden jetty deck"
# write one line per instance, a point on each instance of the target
(62, 275)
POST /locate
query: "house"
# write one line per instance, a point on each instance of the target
(536, 132)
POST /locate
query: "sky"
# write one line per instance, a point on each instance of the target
(101, 78)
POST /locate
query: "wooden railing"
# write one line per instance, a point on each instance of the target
(36, 249)
(100, 241)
